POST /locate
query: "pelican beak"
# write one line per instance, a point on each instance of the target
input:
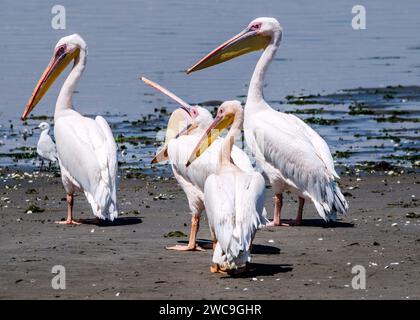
(162, 155)
(174, 121)
(246, 41)
(184, 106)
(58, 63)
(219, 124)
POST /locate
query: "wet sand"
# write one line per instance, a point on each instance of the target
(128, 260)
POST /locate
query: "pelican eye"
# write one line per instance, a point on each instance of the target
(255, 27)
(60, 51)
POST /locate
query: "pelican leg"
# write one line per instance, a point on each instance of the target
(42, 164)
(69, 212)
(49, 166)
(298, 220)
(192, 245)
(278, 203)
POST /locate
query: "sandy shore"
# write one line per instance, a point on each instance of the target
(128, 260)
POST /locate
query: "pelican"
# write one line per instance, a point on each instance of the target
(185, 127)
(234, 199)
(86, 148)
(293, 156)
(46, 147)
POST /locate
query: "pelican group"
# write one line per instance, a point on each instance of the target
(86, 148)
(234, 199)
(185, 127)
(215, 175)
(45, 147)
(293, 156)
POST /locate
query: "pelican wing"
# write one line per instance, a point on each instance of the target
(283, 144)
(219, 199)
(250, 212)
(318, 142)
(235, 209)
(88, 153)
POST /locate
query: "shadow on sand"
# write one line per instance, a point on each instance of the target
(123, 221)
(256, 269)
(256, 248)
(264, 249)
(262, 269)
(322, 224)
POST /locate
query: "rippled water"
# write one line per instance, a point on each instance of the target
(320, 54)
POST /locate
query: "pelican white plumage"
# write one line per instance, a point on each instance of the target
(86, 148)
(45, 147)
(234, 199)
(185, 127)
(291, 153)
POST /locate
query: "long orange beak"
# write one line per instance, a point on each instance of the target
(244, 42)
(58, 63)
(219, 124)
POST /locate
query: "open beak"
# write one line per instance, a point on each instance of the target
(219, 124)
(244, 42)
(185, 106)
(162, 155)
(56, 66)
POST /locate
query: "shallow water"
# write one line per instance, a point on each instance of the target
(320, 54)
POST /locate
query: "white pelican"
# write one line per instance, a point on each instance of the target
(86, 148)
(185, 127)
(291, 153)
(234, 199)
(46, 147)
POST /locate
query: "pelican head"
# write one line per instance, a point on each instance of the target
(228, 112)
(183, 123)
(67, 50)
(256, 36)
(182, 120)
